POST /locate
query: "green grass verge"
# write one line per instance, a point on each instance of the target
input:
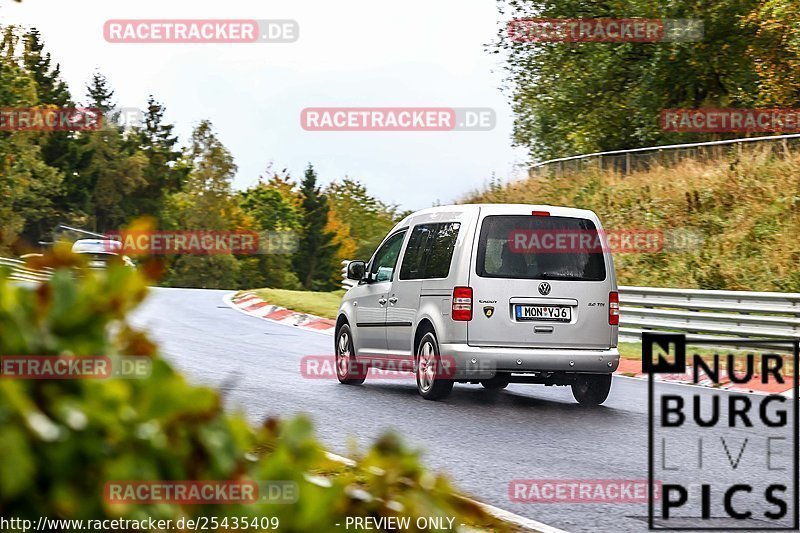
(322, 304)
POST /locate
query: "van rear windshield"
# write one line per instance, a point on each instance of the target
(540, 247)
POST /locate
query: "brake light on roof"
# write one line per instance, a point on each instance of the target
(462, 304)
(613, 308)
(540, 213)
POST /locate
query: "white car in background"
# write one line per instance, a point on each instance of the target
(100, 252)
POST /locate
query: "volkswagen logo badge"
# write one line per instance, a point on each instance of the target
(544, 288)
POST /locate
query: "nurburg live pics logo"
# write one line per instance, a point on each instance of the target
(726, 459)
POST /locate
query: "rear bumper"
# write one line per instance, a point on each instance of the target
(474, 362)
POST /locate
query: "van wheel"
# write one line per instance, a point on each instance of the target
(500, 381)
(428, 368)
(348, 370)
(591, 389)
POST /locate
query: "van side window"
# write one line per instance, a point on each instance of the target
(385, 258)
(430, 251)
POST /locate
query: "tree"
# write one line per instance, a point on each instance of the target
(573, 98)
(111, 171)
(274, 204)
(363, 219)
(205, 203)
(273, 209)
(115, 175)
(100, 94)
(776, 52)
(315, 260)
(60, 149)
(162, 173)
(50, 88)
(27, 183)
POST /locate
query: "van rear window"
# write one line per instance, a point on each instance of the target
(538, 247)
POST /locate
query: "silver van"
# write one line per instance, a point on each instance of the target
(487, 293)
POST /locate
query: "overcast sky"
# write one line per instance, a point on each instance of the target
(352, 53)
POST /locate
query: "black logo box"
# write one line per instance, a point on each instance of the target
(678, 365)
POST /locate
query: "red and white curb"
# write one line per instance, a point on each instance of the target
(250, 304)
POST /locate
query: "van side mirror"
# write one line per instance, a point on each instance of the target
(356, 270)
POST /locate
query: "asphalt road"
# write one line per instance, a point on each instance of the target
(481, 439)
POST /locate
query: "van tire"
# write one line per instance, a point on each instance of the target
(498, 382)
(348, 370)
(591, 389)
(427, 367)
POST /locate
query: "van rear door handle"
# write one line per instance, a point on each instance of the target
(543, 329)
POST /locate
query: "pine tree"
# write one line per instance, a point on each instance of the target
(162, 174)
(27, 182)
(112, 168)
(100, 94)
(51, 89)
(314, 261)
(60, 149)
(116, 176)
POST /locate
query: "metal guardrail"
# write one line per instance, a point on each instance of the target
(639, 159)
(701, 314)
(709, 315)
(20, 272)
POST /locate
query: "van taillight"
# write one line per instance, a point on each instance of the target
(613, 308)
(462, 303)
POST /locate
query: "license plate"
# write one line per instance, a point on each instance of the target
(544, 313)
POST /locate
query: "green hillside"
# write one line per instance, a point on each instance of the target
(747, 213)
